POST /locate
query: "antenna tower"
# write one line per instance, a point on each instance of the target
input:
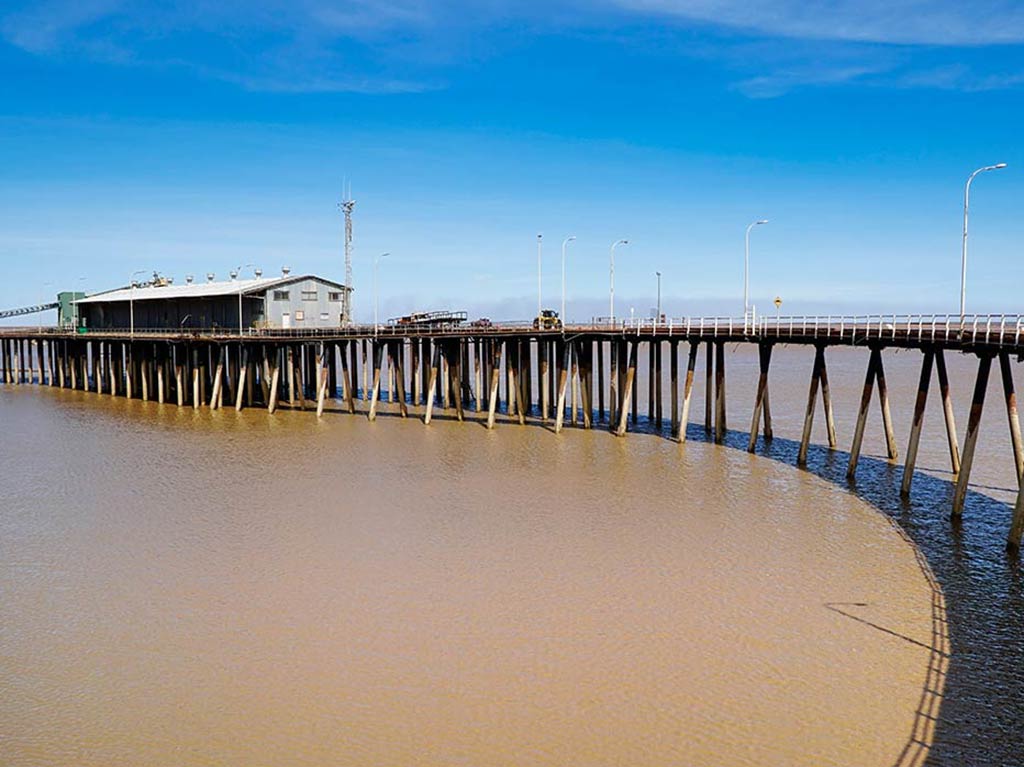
(346, 206)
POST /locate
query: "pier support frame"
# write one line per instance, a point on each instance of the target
(971, 440)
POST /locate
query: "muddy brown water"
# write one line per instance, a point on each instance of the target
(183, 587)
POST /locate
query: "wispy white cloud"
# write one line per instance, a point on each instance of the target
(903, 22)
(769, 47)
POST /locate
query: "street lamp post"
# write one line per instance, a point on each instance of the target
(376, 262)
(238, 272)
(963, 257)
(565, 242)
(45, 292)
(657, 316)
(540, 238)
(611, 280)
(746, 269)
(131, 299)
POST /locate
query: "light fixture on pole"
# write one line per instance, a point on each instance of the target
(565, 242)
(238, 273)
(376, 262)
(611, 280)
(657, 315)
(746, 268)
(963, 256)
(131, 299)
(43, 302)
(540, 237)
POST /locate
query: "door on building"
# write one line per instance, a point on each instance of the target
(286, 320)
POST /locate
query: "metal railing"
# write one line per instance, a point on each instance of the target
(985, 329)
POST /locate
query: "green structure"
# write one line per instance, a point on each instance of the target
(67, 308)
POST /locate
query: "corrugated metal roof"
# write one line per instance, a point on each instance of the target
(202, 289)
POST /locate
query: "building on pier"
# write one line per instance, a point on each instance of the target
(288, 301)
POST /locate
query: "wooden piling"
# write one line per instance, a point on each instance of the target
(883, 400)
(812, 397)
(492, 402)
(691, 364)
(179, 384)
(516, 385)
(627, 390)
(455, 375)
(947, 411)
(826, 402)
(196, 382)
(709, 384)
(651, 377)
(322, 377)
(478, 375)
(720, 423)
(862, 413)
(274, 385)
(585, 353)
(160, 392)
(764, 353)
(971, 440)
(657, 385)
(562, 350)
(113, 365)
(1010, 397)
(1017, 524)
(613, 378)
(243, 375)
(218, 380)
(435, 363)
(915, 429)
(347, 352)
(377, 349)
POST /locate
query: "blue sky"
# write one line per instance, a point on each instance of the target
(194, 137)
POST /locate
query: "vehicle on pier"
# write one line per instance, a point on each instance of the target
(483, 322)
(548, 319)
(429, 319)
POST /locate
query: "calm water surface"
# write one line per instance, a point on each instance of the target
(186, 587)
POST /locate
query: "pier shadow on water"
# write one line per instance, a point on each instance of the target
(972, 700)
(977, 718)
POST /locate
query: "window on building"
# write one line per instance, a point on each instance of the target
(299, 315)
(325, 317)
(281, 295)
(334, 295)
(309, 295)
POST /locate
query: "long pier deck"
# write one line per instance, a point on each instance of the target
(534, 373)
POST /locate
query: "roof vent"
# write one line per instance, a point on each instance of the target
(258, 273)
(189, 279)
(209, 276)
(286, 270)
(234, 274)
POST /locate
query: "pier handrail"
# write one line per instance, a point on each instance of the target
(998, 330)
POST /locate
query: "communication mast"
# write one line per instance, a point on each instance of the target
(346, 206)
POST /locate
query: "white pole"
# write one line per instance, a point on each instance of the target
(657, 317)
(238, 274)
(963, 255)
(565, 242)
(746, 268)
(131, 300)
(376, 262)
(540, 237)
(611, 281)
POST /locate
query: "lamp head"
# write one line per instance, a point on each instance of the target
(763, 221)
(999, 165)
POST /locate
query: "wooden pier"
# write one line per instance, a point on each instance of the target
(521, 373)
